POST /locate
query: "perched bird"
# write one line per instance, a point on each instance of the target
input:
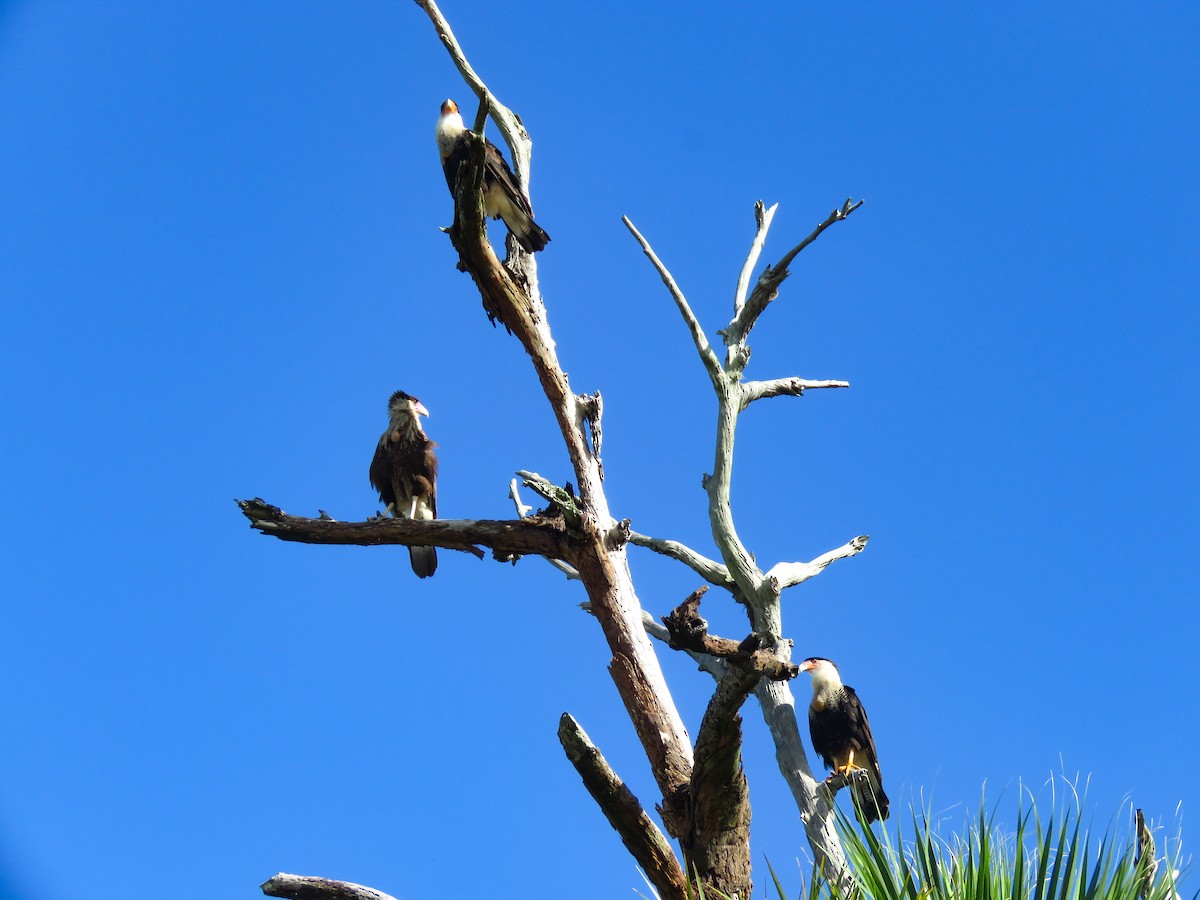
(404, 471)
(842, 736)
(502, 196)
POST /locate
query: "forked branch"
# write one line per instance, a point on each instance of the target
(772, 277)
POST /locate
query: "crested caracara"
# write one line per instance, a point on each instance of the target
(841, 735)
(502, 196)
(404, 471)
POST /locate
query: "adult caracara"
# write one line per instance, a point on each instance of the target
(404, 471)
(842, 736)
(502, 196)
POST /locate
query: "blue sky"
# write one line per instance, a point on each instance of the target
(221, 254)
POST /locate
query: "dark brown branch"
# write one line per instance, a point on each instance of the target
(718, 843)
(718, 847)
(562, 500)
(688, 631)
(637, 830)
(308, 887)
(772, 277)
(510, 289)
(507, 538)
(634, 668)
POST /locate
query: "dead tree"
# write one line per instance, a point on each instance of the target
(704, 801)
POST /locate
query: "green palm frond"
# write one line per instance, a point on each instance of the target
(1055, 858)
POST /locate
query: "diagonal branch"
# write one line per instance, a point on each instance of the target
(602, 565)
(515, 135)
(637, 830)
(763, 217)
(711, 364)
(786, 575)
(710, 570)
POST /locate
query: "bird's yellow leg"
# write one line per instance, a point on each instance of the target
(848, 767)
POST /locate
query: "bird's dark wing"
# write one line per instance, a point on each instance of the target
(500, 174)
(458, 154)
(496, 170)
(430, 467)
(860, 732)
(381, 473)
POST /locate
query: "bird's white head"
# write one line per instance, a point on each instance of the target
(823, 672)
(449, 127)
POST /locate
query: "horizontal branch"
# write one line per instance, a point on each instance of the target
(711, 571)
(308, 887)
(783, 387)
(506, 538)
(789, 574)
(637, 830)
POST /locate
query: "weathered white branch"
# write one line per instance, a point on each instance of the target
(814, 800)
(514, 491)
(738, 561)
(710, 570)
(308, 887)
(788, 574)
(524, 510)
(780, 387)
(711, 364)
(763, 217)
(768, 284)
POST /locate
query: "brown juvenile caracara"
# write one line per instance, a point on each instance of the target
(404, 471)
(842, 737)
(502, 196)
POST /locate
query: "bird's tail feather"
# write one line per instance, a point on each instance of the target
(870, 799)
(529, 234)
(424, 560)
